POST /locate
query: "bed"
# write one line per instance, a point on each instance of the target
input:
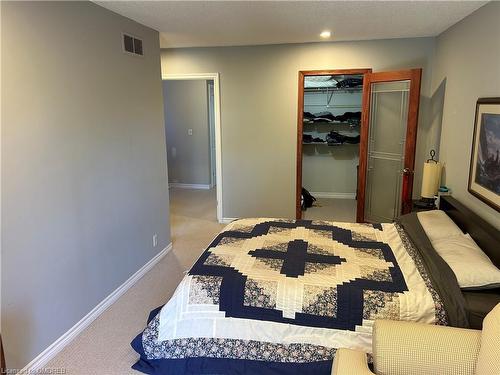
(275, 296)
(477, 303)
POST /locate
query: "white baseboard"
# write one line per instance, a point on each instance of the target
(188, 186)
(319, 194)
(227, 220)
(44, 357)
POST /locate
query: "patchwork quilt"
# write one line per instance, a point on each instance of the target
(280, 296)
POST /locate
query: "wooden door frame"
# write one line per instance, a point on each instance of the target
(414, 75)
(300, 122)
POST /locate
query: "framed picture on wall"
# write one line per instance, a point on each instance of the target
(484, 173)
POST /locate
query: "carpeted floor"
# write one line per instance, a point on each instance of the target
(104, 347)
(331, 209)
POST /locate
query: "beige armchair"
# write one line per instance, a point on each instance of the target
(405, 348)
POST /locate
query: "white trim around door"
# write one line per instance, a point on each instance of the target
(218, 140)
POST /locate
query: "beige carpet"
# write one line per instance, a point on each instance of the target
(104, 347)
(332, 210)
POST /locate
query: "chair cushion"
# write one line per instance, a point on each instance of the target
(404, 348)
(348, 361)
(488, 362)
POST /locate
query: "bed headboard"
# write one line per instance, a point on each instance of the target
(485, 235)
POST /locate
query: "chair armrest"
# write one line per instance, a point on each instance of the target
(405, 348)
(350, 362)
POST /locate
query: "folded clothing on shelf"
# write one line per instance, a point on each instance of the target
(324, 117)
(352, 140)
(308, 138)
(350, 117)
(350, 82)
(309, 116)
(335, 138)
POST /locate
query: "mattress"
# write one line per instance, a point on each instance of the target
(280, 296)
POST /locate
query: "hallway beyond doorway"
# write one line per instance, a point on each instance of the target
(197, 204)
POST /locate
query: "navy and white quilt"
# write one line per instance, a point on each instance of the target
(274, 296)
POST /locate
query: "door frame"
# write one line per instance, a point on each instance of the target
(300, 122)
(211, 125)
(218, 141)
(414, 76)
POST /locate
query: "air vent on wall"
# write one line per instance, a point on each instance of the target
(132, 45)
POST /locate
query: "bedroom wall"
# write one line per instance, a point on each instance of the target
(259, 109)
(468, 66)
(186, 107)
(84, 183)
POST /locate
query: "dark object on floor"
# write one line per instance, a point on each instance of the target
(3, 367)
(307, 199)
(318, 139)
(350, 82)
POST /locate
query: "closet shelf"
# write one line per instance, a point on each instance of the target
(333, 105)
(331, 123)
(334, 89)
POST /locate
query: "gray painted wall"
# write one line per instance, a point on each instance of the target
(468, 66)
(186, 107)
(259, 110)
(84, 183)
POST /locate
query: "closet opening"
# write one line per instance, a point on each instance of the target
(328, 149)
(356, 139)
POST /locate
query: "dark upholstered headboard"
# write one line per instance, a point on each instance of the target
(485, 235)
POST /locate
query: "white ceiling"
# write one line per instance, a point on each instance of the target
(224, 23)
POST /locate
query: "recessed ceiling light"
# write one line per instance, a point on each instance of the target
(325, 34)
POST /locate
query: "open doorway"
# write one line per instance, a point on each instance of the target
(192, 128)
(330, 105)
(356, 137)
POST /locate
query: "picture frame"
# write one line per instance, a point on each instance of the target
(484, 171)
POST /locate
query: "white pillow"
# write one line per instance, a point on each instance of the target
(438, 225)
(472, 267)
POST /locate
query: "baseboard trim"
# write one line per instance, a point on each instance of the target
(188, 186)
(227, 220)
(44, 357)
(319, 194)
